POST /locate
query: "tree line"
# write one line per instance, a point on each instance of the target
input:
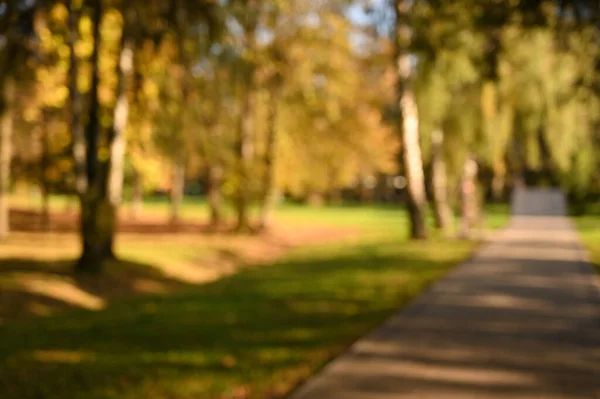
(451, 102)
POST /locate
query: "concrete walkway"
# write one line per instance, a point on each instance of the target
(520, 320)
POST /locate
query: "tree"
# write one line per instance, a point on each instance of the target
(411, 150)
(76, 103)
(16, 28)
(115, 167)
(98, 211)
(276, 68)
(6, 132)
(97, 214)
(442, 209)
(328, 137)
(250, 21)
(268, 185)
(447, 75)
(469, 198)
(211, 142)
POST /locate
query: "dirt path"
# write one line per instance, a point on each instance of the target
(520, 320)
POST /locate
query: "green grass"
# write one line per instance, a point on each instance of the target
(262, 329)
(389, 216)
(255, 334)
(496, 216)
(589, 228)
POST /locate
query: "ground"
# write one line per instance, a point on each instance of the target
(254, 334)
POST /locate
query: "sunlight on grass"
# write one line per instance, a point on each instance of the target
(496, 216)
(57, 356)
(589, 228)
(59, 290)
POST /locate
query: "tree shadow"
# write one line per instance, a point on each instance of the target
(31, 287)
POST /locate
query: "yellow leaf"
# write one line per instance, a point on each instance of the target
(85, 25)
(84, 49)
(60, 13)
(31, 114)
(63, 51)
(151, 89)
(62, 93)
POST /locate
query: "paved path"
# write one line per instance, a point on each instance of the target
(521, 320)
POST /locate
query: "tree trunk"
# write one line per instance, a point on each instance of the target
(76, 105)
(367, 185)
(97, 214)
(334, 196)
(137, 195)
(215, 197)
(315, 199)
(177, 190)
(442, 210)
(411, 150)
(245, 153)
(45, 211)
(215, 175)
(44, 165)
(499, 182)
(6, 132)
(270, 163)
(116, 164)
(121, 117)
(469, 202)
(245, 145)
(181, 18)
(116, 174)
(98, 225)
(214, 160)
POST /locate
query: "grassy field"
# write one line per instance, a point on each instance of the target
(195, 209)
(254, 334)
(589, 227)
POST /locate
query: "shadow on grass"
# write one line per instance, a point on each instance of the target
(31, 287)
(253, 335)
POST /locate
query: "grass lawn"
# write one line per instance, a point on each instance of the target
(589, 228)
(196, 209)
(255, 334)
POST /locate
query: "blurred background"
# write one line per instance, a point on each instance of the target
(154, 155)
